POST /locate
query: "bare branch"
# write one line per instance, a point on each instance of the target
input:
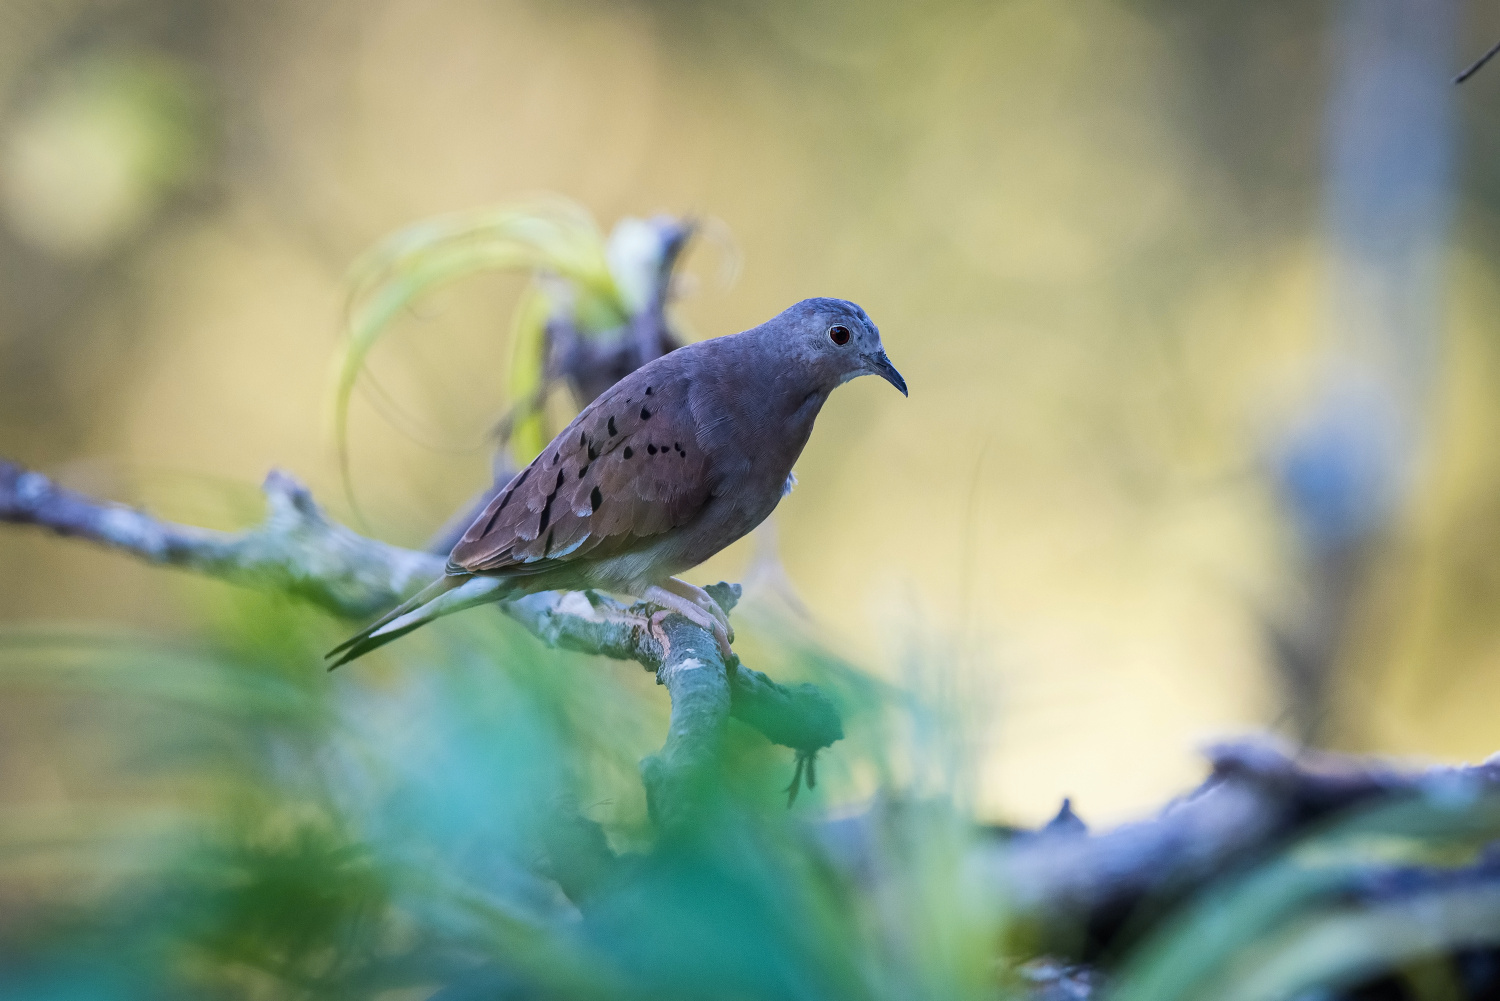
(1478, 64)
(1258, 796)
(297, 549)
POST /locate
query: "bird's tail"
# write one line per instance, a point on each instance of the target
(447, 594)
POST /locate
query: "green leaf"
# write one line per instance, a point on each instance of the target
(551, 236)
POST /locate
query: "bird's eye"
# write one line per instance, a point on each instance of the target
(838, 333)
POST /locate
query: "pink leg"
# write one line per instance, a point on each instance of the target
(691, 611)
(701, 598)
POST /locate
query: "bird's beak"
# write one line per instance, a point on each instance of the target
(883, 368)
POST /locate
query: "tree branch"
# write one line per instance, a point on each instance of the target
(299, 550)
(1258, 797)
(681, 776)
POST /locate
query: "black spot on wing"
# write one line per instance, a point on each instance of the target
(645, 414)
(650, 448)
(596, 498)
(547, 508)
(612, 431)
(509, 493)
(648, 390)
(583, 471)
(629, 451)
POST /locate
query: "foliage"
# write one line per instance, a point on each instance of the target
(258, 828)
(577, 274)
(461, 818)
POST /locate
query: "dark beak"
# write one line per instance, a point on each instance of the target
(887, 371)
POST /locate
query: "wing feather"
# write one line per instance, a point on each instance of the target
(628, 468)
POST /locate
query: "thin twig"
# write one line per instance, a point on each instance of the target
(1478, 64)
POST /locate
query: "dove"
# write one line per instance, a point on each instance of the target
(664, 469)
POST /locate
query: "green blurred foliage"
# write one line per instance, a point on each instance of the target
(461, 818)
(247, 827)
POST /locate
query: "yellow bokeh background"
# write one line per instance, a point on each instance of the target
(1089, 233)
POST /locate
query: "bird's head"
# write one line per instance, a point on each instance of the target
(835, 339)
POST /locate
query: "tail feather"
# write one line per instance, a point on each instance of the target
(438, 587)
(443, 596)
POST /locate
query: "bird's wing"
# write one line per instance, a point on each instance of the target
(628, 468)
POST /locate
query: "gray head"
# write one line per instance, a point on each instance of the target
(835, 340)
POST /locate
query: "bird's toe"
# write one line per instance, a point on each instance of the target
(724, 637)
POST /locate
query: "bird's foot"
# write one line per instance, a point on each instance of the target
(672, 602)
(807, 767)
(701, 598)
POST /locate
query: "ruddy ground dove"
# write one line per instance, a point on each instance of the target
(674, 462)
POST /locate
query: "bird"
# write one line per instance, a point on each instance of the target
(670, 465)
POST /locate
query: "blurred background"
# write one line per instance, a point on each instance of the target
(1196, 302)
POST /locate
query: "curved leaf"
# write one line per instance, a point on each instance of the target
(547, 236)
